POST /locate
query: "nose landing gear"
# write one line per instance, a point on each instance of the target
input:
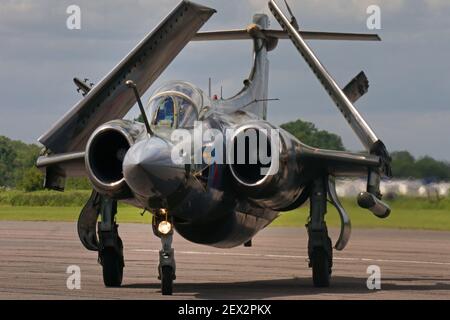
(166, 266)
(163, 229)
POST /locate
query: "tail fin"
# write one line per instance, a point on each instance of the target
(253, 96)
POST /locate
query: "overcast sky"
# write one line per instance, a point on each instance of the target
(408, 104)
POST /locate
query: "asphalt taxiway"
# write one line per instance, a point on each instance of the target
(34, 257)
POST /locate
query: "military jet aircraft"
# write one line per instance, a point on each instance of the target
(221, 204)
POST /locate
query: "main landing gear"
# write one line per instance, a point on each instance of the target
(108, 243)
(163, 229)
(110, 249)
(320, 249)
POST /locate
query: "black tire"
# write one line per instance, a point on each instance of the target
(166, 280)
(320, 268)
(112, 263)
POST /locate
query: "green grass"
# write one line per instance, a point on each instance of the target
(406, 214)
(26, 213)
(400, 218)
(70, 198)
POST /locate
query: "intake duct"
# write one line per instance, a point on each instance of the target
(252, 156)
(262, 161)
(105, 152)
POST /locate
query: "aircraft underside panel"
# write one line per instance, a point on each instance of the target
(230, 231)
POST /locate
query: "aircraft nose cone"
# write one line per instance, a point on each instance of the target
(149, 170)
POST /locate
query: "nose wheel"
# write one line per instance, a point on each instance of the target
(167, 277)
(166, 268)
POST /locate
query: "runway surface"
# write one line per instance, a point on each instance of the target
(34, 257)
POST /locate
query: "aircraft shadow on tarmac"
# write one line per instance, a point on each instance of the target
(278, 288)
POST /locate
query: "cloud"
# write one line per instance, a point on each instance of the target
(437, 4)
(341, 8)
(39, 58)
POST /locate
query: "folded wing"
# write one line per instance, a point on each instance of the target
(110, 98)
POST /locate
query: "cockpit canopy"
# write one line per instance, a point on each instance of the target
(176, 104)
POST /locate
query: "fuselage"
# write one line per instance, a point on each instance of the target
(202, 197)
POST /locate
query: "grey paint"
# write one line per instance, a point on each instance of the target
(219, 208)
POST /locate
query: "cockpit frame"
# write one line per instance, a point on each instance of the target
(172, 94)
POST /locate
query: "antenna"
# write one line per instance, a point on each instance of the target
(209, 87)
(293, 19)
(130, 84)
(259, 100)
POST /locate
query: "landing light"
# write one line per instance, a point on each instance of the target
(164, 227)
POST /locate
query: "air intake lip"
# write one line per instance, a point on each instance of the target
(250, 173)
(104, 156)
(106, 153)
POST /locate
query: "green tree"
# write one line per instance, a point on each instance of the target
(78, 184)
(7, 162)
(429, 168)
(404, 165)
(32, 180)
(308, 133)
(16, 158)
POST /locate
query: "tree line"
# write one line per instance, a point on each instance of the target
(17, 160)
(18, 170)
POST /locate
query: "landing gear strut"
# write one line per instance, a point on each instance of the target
(110, 249)
(320, 250)
(167, 266)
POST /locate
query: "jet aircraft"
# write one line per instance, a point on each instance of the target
(216, 203)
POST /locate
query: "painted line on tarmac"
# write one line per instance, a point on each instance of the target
(281, 256)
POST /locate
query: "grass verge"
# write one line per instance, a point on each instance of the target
(406, 214)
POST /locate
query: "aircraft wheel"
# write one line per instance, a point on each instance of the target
(167, 280)
(112, 264)
(320, 268)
